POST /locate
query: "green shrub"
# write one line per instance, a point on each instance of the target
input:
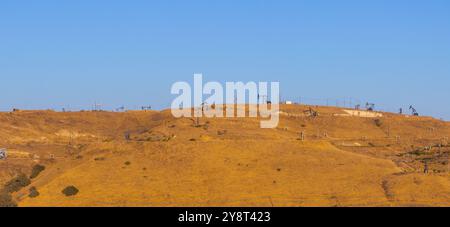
(17, 183)
(37, 169)
(33, 192)
(70, 191)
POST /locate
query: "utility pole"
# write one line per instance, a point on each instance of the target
(302, 136)
(97, 107)
(197, 118)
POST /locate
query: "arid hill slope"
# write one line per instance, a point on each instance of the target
(152, 159)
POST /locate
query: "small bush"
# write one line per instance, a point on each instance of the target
(33, 192)
(70, 191)
(6, 200)
(127, 163)
(221, 132)
(37, 169)
(378, 122)
(17, 183)
(418, 152)
(99, 159)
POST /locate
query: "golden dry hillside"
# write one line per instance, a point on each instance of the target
(149, 158)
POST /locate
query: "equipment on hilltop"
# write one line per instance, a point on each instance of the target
(97, 107)
(413, 111)
(122, 108)
(262, 99)
(370, 106)
(204, 106)
(425, 167)
(3, 154)
(311, 113)
(302, 136)
(146, 107)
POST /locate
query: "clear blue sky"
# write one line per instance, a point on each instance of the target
(56, 54)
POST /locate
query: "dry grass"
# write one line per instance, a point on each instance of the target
(344, 161)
